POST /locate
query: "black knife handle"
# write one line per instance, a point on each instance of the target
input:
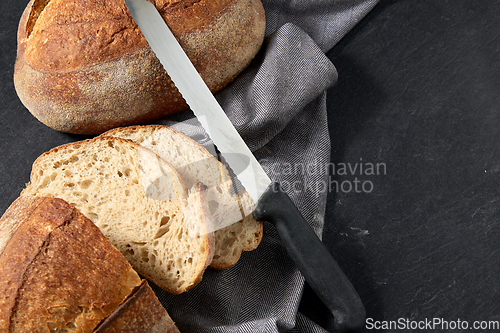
(312, 258)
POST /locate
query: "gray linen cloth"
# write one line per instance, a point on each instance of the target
(278, 105)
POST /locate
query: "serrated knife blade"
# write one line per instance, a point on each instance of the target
(199, 98)
(272, 204)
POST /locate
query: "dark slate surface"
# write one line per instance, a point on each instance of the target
(418, 93)
(418, 96)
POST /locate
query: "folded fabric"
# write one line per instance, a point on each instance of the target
(278, 105)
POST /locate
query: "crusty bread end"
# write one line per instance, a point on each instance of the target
(58, 273)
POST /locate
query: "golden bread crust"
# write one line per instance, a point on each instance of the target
(84, 66)
(154, 318)
(57, 270)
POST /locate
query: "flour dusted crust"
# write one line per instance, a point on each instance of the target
(235, 229)
(138, 201)
(58, 273)
(84, 67)
(57, 270)
(140, 312)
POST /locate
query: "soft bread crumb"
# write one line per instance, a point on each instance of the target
(235, 229)
(138, 201)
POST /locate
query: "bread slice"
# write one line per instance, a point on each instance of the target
(235, 228)
(58, 273)
(139, 202)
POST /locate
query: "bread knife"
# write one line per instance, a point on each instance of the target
(273, 205)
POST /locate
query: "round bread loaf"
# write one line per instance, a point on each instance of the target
(84, 67)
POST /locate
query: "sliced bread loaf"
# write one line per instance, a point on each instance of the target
(140, 203)
(58, 273)
(235, 228)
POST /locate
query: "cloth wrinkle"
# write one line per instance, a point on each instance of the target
(278, 105)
